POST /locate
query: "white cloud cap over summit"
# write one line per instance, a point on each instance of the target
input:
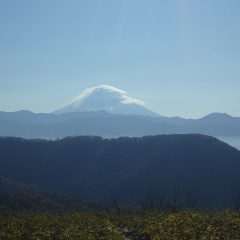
(107, 98)
(115, 93)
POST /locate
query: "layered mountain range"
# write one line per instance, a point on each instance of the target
(177, 167)
(50, 126)
(109, 112)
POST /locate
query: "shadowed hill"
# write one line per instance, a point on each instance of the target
(126, 169)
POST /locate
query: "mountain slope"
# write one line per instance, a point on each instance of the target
(107, 98)
(127, 168)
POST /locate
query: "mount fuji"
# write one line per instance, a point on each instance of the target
(110, 112)
(107, 98)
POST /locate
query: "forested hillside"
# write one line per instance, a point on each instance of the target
(183, 169)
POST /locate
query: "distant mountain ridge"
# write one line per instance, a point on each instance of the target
(108, 111)
(47, 125)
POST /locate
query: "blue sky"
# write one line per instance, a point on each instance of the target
(181, 57)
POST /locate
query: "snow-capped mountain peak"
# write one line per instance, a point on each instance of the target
(107, 98)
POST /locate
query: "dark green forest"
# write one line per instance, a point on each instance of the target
(188, 169)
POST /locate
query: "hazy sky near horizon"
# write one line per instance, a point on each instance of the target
(181, 57)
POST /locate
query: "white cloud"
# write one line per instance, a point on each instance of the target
(118, 93)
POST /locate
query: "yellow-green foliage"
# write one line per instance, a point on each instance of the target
(185, 225)
(150, 225)
(45, 226)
